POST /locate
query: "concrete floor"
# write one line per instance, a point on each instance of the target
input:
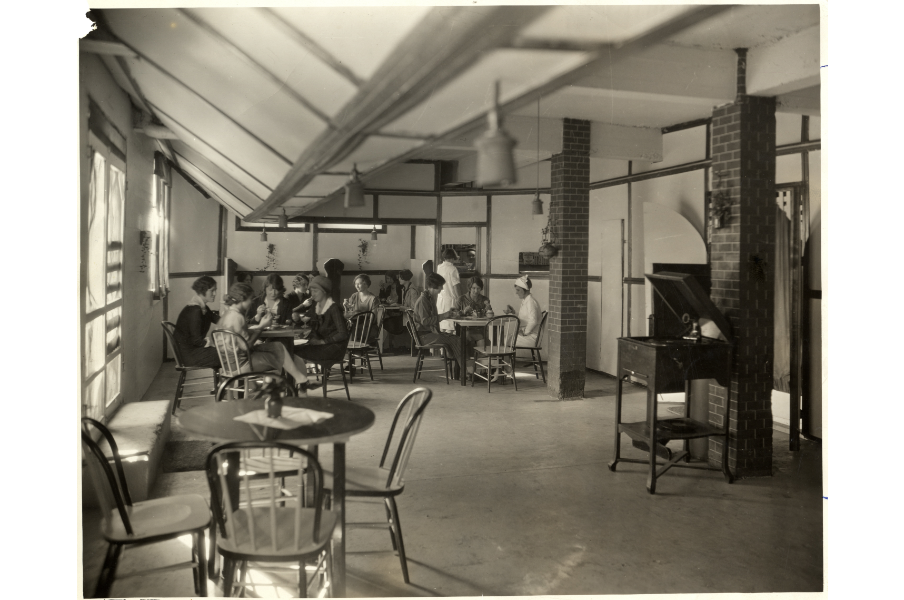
(508, 493)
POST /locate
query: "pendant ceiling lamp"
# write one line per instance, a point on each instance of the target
(373, 234)
(263, 234)
(354, 190)
(537, 204)
(283, 220)
(495, 162)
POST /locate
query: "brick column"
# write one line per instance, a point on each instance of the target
(567, 321)
(743, 259)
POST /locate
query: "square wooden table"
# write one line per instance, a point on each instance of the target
(462, 325)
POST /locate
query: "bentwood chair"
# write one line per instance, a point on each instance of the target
(127, 523)
(387, 480)
(498, 357)
(325, 368)
(535, 359)
(183, 368)
(257, 524)
(233, 352)
(424, 350)
(359, 341)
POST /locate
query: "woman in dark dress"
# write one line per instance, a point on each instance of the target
(328, 330)
(427, 319)
(272, 301)
(193, 324)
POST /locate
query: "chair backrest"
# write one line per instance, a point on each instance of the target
(112, 489)
(253, 516)
(542, 328)
(411, 411)
(169, 329)
(501, 333)
(229, 383)
(232, 350)
(359, 328)
(412, 327)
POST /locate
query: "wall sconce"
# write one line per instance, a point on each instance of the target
(495, 162)
(354, 190)
(283, 220)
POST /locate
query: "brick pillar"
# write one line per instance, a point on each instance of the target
(743, 259)
(567, 321)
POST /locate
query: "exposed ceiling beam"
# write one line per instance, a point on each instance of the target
(432, 55)
(163, 71)
(605, 56)
(311, 46)
(105, 48)
(160, 112)
(280, 84)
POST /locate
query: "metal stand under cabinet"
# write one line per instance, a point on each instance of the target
(669, 364)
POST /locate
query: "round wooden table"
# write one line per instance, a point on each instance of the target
(462, 326)
(217, 421)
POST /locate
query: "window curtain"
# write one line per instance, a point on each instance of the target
(781, 370)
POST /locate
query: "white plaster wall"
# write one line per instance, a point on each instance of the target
(194, 229)
(515, 230)
(294, 249)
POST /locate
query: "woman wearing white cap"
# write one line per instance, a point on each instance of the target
(529, 313)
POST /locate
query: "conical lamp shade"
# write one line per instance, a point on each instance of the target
(283, 220)
(263, 236)
(537, 205)
(495, 162)
(354, 194)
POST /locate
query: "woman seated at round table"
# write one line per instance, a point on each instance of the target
(427, 319)
(362, 300)
(300, 298)
(528, 313)
(471, 303)
(263, 357)
(273, 302)
(328, 330)
(391, 288)
(193, 323)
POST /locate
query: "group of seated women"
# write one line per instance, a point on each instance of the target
(310, 302)
(247, 315)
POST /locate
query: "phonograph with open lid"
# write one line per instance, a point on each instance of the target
(668, 364)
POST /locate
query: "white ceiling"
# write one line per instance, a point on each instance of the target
(272, 107)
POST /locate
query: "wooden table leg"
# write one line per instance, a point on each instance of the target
(463, 335)
(618, 405)
(652, 419)
(339, 532)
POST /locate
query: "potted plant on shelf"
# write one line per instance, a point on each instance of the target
(548, 247)
(362, 254)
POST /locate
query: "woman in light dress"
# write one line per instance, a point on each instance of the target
(529, 313)
(451, 289)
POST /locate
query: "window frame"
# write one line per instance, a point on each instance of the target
(112, 158)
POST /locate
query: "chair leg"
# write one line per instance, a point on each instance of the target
(344, 382)
(417, 366)
(392, 535)
(202, 564)
(540, 364)
(398, 529)
(366, 357)
(243, 572)
(178, 391)
(212, 571)
(302, 580)
(380, 356)
(108, 571)
(228, 576)
(514, 379)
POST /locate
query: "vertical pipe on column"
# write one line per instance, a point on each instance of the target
(630, 242)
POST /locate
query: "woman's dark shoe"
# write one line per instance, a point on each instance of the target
(307, 386)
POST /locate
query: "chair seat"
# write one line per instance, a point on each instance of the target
(283, 466)
(359, 346)
(364, 481)
(528, 347)
(159, 518)
(240, 546)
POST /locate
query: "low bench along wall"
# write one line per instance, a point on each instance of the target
(141, 430)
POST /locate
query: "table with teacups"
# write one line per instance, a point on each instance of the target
(217, 421)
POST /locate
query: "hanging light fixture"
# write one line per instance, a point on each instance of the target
(373, 233)
(537, 204)
(263, 234)
(495, 162)
(354, 190)
(283, 220)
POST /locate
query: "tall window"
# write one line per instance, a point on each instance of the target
(159, 251)
(102, 285)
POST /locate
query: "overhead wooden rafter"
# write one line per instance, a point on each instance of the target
(602, 55)
(433, 54)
